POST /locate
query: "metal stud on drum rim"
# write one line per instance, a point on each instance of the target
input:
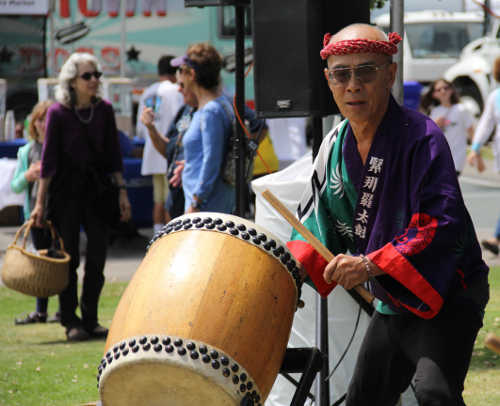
(165, 356)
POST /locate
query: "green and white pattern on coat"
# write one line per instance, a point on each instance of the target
(327, 205)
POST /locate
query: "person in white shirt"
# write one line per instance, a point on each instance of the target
(441, 103)
(165, 100)
(489, 122)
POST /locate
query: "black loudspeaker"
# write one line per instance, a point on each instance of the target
(287, 39)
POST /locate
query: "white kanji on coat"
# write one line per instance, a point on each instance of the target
(360, 230)
(362, 217)
(370, 183)
(375, 164)
(366, 200)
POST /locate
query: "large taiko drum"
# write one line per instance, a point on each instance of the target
(206, 318)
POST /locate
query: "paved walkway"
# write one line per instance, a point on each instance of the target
(488, 178)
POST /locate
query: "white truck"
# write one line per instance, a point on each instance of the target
(472, 74)
(433, 40)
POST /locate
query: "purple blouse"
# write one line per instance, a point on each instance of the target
(65, 147)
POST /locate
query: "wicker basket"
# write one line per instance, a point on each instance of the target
(32, 274)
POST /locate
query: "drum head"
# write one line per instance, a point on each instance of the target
(161, 384)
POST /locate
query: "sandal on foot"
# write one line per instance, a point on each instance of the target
(33, 317)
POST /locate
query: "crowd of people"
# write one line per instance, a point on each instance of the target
(74, 161)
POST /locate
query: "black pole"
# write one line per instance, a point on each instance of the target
(487, 18)
(317, 134)
(240, 106)
(324, 387)
(322, 304)
(45, 72)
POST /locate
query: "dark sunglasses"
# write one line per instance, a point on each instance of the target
(364, 73)
(88, 75)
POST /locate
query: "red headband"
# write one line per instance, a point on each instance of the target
(359, 46)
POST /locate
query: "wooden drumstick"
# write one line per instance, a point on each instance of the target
(310, 238)
(492, 342)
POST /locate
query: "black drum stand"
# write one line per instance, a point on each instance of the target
(307, 361)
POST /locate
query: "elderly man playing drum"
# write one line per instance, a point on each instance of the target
(385, 199)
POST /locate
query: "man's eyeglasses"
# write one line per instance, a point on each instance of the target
(363, 73)
(88, 75)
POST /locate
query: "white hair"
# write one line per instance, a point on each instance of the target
(69, 72)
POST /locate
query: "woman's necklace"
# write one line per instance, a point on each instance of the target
(87, 120)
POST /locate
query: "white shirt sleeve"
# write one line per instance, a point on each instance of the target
(487, 122)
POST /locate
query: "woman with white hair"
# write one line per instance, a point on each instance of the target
(81, 156)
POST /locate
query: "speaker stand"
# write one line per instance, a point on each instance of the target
(241, 185)
(308, 361)
(322, 386)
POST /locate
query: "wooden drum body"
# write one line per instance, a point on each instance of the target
(206, 318)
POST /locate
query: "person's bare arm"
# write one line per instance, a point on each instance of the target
(37, 213)
(470, 133)
(159, 141)
(125, 207)
(474, 158)
(176, 179)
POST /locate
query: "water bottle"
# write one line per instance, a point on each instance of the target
(10, 126)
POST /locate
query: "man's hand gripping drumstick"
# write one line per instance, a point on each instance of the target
(332, 266)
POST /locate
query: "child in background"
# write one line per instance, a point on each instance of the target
(441, 103)
(26, 180)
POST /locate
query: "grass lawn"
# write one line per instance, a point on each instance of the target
(39, 368)
(482, 386)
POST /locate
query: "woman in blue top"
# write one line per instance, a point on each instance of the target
(206, 139)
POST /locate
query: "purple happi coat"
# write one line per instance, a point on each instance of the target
(406, 210)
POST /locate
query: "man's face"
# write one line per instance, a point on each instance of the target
(362, 94)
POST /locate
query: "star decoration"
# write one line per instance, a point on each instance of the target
(133, 54)
(5, 55)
